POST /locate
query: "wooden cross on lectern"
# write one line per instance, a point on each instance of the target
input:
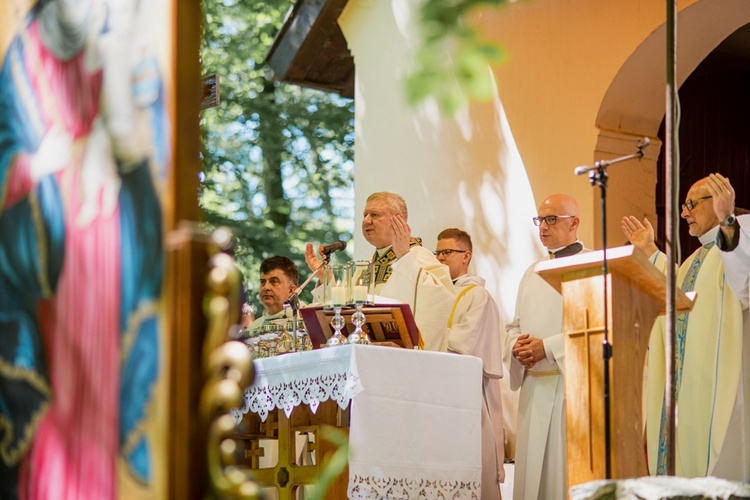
(210, 93)
(586, 333)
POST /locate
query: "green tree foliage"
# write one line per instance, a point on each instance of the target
(277, 158)
(453, 60)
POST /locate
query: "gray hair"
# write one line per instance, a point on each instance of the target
(394, 201)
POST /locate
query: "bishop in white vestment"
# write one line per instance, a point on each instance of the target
(404, 271)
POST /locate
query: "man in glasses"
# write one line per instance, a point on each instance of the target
(534, 357)
(403, 270)
(474, 329)
(713, 343)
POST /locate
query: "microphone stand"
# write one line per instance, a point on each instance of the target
(598, 176)
(293, 299)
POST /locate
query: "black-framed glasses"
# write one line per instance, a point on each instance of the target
(448, 252)
(689, 205)
(551, 220)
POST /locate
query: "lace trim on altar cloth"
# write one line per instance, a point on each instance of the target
(409, 488)
(311, 391)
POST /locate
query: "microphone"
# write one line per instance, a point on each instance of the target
(333, 247)
(582, 170)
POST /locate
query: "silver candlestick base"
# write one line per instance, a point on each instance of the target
(358, 336)
(337, 323)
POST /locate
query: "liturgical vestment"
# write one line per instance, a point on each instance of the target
(540, 470)
(711, 352)
(420, 280)
(474, 329)
(417, 279)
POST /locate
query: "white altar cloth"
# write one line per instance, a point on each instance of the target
(415, 420)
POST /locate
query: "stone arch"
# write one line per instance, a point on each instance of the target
(634, 104)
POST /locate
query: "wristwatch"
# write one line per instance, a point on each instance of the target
(728, 221)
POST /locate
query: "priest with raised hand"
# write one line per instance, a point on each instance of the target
(474, 330)
(711, 349)
(534, 357)
(403, 270)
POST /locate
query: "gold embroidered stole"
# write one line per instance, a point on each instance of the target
(381, 265)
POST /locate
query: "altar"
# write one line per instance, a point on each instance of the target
(414, 416)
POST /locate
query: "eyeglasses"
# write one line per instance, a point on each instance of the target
(448, 252)
(551, 220)
(689, 205)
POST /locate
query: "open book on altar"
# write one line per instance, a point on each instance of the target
(384, 323)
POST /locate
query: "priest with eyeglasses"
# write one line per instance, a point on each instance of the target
(533, 354)
(474, 330)
(712, 348)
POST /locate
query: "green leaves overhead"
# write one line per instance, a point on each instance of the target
(453, 62)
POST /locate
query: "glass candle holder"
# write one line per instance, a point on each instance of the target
(336, 285)
(361, 282)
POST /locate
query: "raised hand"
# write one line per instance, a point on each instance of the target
(312, 260)
(640, 234)
(722, 194)
(401, 235)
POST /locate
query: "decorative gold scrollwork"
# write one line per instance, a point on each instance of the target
(228, 369)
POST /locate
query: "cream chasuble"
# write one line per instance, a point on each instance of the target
(709, 352)
(474, 329)
(417, 279)
(420, 280)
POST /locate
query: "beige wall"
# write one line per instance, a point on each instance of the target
(585, 79)
(464, 172)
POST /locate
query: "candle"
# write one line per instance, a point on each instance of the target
(338, 295)
(359, 293)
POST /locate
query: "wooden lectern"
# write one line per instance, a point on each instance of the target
(636, 296)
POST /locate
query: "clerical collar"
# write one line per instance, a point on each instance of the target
(571, 249)
(709, 236)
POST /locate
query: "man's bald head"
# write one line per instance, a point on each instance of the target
(562, 203)
(565, 230)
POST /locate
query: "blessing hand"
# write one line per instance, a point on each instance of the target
(641, 235)
(313, 262)
(722, 194)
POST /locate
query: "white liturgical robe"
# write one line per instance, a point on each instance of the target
(417, 279)
(540, 470)
(420, 280)
(737, 263)
(474, 329)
